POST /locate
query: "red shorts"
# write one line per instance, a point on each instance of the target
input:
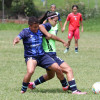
(74, 33)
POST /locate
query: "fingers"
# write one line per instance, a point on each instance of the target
(14, 42)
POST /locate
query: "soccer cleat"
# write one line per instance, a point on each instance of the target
(31, 85)
(23, 91)
(78, 92)
(65, 88)
(76, 51)
(66, 50)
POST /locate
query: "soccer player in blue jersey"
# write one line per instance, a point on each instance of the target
(33, 50)
(50, 48)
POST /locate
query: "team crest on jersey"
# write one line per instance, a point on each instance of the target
(31, 36)
(75, 17)
(69, 34)
(40, 36)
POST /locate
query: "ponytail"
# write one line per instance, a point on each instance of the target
(47, 15)
(43, 18)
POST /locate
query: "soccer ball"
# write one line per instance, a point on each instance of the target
(96, 88)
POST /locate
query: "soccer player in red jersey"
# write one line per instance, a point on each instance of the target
(74, 19)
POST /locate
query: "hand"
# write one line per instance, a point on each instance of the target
(82, 29)
(48, 38)
(63, 29)
(16, 40)
(65, 44)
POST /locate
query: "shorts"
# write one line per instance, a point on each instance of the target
(53, 55)
(74, 33)
(44, 61)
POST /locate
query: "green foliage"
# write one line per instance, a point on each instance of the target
(70, 2)
(25, 7)
(30, 8)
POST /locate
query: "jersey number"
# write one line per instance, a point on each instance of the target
(49, 46)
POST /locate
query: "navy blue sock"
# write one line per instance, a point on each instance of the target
(24, 86)
(39, 80)
(76, 48)
(72, 85)
(67, 48)
(64, 83)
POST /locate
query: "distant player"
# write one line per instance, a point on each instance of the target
(53, 9)
(74, 19)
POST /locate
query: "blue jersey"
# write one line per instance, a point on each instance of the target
(33, 41)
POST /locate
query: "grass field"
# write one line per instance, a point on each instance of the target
(85, 64)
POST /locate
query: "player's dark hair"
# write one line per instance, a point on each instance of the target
(47, 15)
(75, 6)
(53, 5)
(33, 20)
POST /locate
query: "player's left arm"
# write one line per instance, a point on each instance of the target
(60, 22)
(81, 26)
(81, 22)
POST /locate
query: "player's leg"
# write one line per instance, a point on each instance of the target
(31, 65)
(55, 67)
(76, 36)
(49, 75)
(70, 77)
(48, 63)
(70, 36)
(76, 45)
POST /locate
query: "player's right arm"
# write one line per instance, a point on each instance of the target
(63, 29)
(19, 37)
(67, 19)
(16, 40)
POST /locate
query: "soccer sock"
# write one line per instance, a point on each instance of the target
(76, 48)
(24, 86)
(39, 80)
(67, 48)
(64, 83)
(72, 85)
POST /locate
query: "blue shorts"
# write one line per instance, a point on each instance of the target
(53, 55)
(43, 61)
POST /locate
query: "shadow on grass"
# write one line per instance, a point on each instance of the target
(55, 90)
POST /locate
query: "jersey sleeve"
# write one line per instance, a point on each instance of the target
(59, 19)
(47, 26)
(68, 18)
(21, 35)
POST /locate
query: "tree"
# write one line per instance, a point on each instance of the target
(8, 3)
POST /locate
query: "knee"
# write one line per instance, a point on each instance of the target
(51, 76)
(58, 69)
(30, 72)
(68, 70)
(76, 41)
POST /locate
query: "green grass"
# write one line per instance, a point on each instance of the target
(89, 25)
(85, 64)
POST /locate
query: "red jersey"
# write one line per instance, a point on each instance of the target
(74, 20)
